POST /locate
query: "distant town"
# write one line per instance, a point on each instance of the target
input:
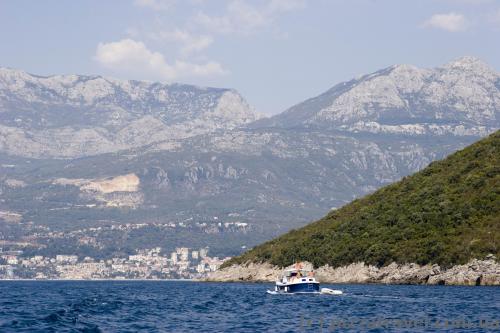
(183, 263)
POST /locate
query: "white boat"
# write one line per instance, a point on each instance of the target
(300, 281)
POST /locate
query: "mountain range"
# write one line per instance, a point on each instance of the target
(75, 116)
(129, 164)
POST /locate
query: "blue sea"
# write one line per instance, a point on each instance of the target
(184, 306)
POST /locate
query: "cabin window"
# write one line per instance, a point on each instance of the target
(303, 279)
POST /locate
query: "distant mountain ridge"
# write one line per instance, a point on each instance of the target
(196, 157)
(460, 98)
(73, 116)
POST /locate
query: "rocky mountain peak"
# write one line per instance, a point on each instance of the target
(469, 63)
(459, 98)
(80, 115)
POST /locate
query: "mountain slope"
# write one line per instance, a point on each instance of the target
(459, 98)
(447, 214)
(74, 116)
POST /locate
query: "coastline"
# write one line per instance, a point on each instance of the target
(474, 273)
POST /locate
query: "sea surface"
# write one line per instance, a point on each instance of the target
(184, 306)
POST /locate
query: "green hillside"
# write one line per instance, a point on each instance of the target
(447, 214)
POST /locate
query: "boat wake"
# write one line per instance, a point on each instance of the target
(328, 291)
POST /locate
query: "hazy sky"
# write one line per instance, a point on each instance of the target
(275, 52)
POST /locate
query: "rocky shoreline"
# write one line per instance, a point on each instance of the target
(475, 273)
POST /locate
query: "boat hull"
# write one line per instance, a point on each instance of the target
(298, 288)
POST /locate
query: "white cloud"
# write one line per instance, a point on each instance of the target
(244, 18)
(189, 42)
(452, 22)
(156, 4)
(239, 18)
(133, 58)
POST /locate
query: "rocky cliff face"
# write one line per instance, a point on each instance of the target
(477, 272)
(460, 98)
(74, 116)
(198, 153)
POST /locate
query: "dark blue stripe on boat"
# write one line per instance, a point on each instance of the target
(302, 288)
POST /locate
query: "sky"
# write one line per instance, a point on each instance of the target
(276, 53)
